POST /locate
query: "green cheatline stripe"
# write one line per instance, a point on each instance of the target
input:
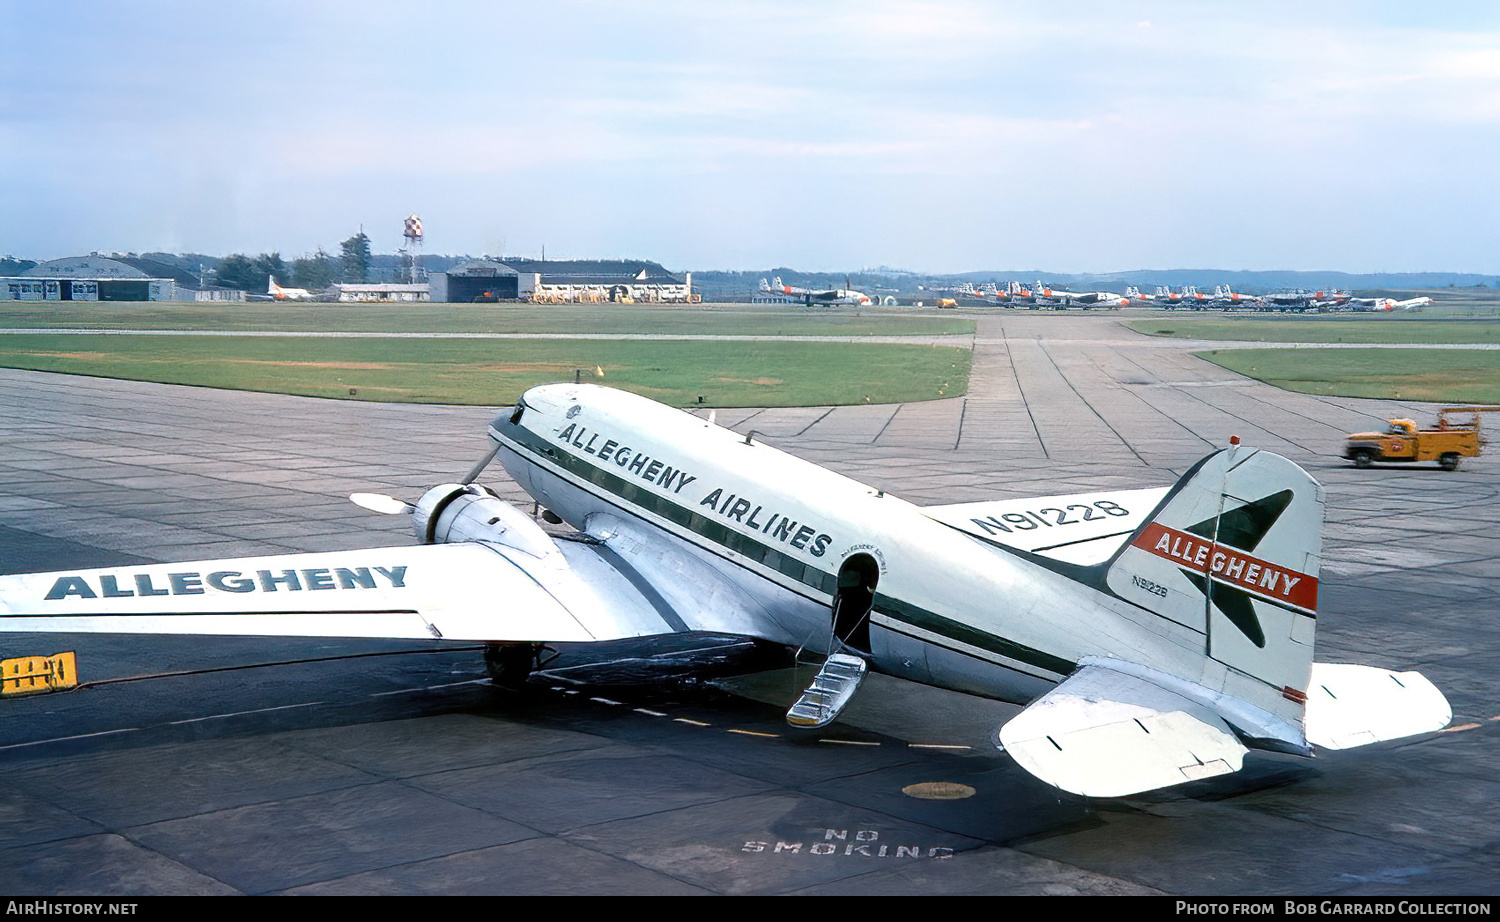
(699, 524)
(963, 633)
(806, 574)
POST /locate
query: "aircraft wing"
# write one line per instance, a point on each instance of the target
(1081, 528)
(469, 591)
(1103, 733)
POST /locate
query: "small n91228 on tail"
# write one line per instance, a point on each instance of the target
(1155, 636)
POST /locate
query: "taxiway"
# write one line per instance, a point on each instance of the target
(199, 765)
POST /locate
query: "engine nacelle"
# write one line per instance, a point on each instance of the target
(454, 512)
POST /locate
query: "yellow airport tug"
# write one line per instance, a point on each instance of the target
(1448, 443)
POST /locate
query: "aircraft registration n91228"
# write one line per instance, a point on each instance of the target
(1155, 635)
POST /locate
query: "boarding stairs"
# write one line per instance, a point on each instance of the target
(823, 700)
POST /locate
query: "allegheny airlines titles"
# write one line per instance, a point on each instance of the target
(739, 509)
(111, 587)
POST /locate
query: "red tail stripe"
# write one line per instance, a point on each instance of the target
(1230, 566)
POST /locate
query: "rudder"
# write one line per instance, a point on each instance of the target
(1233, 552)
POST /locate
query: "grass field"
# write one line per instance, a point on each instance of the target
(1436, 375)
(1395, 329)
(744, 319)
(495, 372)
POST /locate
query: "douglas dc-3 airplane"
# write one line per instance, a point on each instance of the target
(1154, 635)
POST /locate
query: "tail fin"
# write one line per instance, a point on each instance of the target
(1233, 551)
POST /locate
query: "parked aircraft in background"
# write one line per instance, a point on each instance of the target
(1192, 297)
(1386, 304)
(1161, 297)
(287, 294)
(1323, 299)
(1013, 293)
(1330, 299)
(1164, 295)
(1291, 298)
(810, 296)
(1224, 296)
(1064, 298)
(1155, 635)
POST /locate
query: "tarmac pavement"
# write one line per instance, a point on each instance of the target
(205, 765)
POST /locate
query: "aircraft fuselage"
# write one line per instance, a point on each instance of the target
(949, 609)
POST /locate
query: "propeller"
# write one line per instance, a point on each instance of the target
(484, 462)
(390, 505)
(379, 502)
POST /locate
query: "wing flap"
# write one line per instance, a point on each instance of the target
(468, 591)
(1102, 733)
(1349, 706)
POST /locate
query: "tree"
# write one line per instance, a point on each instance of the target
(314, 272)
(356, 258)
(237, 271)
(253, 275)
(266, 266)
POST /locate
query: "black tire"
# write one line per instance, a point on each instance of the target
(773, 655)
(509, 664)
(1449, 461)
(1364, 457)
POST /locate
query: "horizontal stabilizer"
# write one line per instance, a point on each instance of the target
(1102, 733)
(1349, 706)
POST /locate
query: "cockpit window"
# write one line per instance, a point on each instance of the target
(521, 407)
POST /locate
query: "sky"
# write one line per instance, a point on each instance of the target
(824, 136)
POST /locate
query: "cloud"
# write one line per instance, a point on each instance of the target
(1165, 133)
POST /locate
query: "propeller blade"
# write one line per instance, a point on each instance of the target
(484, 462)
(379, 502)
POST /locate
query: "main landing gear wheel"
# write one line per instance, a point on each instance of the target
(510, 664)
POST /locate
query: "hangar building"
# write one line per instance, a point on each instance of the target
(189, 287)
(110, 278)
(380, 291)
(481, 281)
(562, 282)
